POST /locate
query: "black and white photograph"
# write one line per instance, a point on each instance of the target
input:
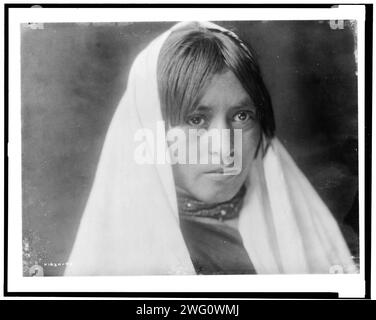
(192, 147)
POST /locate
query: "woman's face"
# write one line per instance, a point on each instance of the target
(224, 105)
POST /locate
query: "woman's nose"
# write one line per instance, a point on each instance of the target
(222, 145)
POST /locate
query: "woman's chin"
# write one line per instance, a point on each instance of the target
(216, 195)
(212, 187)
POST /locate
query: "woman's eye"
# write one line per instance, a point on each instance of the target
(196, 120)
(242, 116)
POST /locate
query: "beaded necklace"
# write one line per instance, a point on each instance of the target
(189, 206)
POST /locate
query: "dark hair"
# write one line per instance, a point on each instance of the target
(188, 60)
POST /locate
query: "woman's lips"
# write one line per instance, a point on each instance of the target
(217, 170)
(222, 173)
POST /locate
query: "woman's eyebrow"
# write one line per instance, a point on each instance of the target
(246, 102)
(248, 107)
(204, 108)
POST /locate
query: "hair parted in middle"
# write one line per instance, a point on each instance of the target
(188, 60)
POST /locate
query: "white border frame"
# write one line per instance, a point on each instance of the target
(346, 285)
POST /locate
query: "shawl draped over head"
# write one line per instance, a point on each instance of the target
(130, 225)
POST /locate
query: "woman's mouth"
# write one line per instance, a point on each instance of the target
(217, 170)
(222, 173)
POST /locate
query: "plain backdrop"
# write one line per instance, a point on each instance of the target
(73, 76)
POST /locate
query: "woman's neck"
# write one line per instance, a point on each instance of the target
(190, 207)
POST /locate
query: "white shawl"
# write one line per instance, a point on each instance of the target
(130, 225)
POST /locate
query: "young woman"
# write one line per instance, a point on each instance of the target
(193, 218)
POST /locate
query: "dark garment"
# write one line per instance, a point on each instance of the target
(215, 248)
